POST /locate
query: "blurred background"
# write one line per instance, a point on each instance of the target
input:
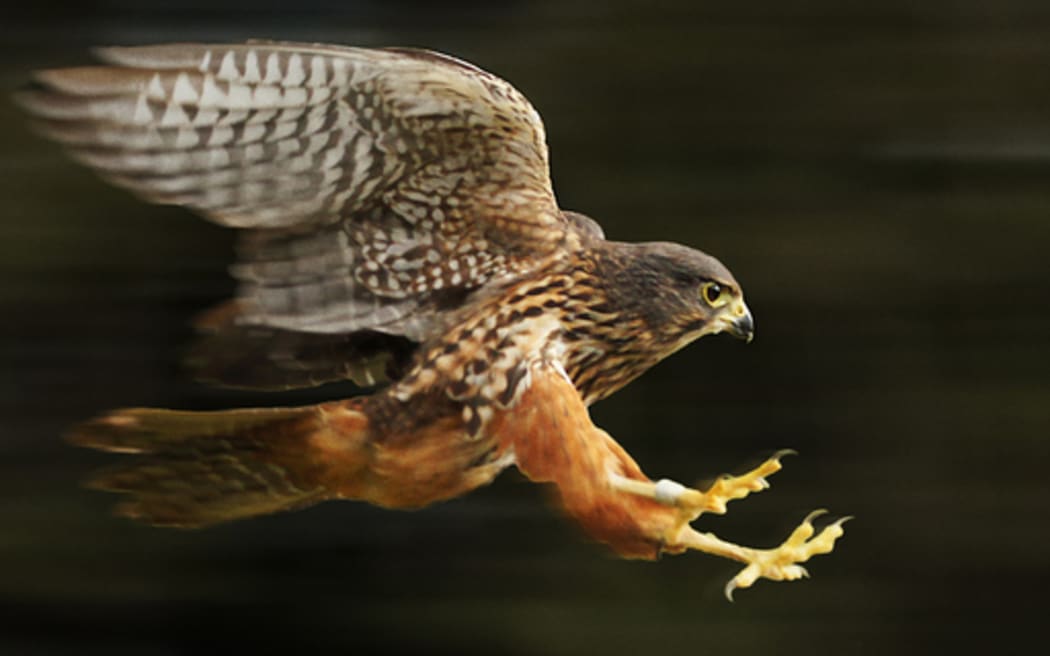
(876, 174)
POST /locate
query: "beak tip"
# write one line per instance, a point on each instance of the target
(744, 328)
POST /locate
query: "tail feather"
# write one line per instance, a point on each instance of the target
(147, 430)
(195, 469)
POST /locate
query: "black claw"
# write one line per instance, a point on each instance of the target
(813, 515)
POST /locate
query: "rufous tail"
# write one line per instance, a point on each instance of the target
(193, 469)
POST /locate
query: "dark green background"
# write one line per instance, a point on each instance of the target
(876, 174)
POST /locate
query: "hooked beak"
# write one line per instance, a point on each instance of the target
(738, 321)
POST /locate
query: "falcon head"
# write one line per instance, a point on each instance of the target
(681, 294)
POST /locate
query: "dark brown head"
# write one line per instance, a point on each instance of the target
(679, 293)
(634, 304)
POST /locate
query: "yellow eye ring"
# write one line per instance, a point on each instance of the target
(714, 294)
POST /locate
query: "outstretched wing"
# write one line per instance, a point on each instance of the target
(377, 189)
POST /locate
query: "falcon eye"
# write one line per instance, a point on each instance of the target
(716, 295)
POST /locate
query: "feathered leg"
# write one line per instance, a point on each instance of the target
(601, 486)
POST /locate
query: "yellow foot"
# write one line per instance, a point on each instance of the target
(782, 563)
(779, 564)
(729, 488)
(693, 503)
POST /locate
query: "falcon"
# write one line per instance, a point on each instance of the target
(397, 228)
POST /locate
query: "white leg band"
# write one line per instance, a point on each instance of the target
(667, 492)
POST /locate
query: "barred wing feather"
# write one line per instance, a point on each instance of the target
(376, 190)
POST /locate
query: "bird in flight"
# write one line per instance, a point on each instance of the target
(397, 228)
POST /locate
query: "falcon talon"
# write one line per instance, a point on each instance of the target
(842, 520)
(814, 514)
(781, 563)
(729, 589)
(398, 228)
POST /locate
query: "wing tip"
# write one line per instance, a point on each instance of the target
(162, 56)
